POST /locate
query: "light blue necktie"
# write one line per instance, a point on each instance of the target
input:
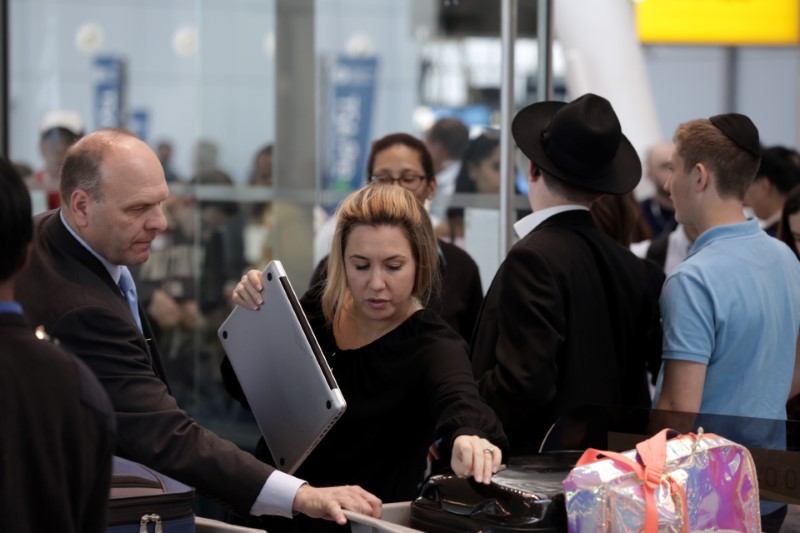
(129, 291)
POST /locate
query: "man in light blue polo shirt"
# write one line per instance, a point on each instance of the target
(731, 310)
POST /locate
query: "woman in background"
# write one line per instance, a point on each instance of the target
(789, 228)
(479, 173)
(402, 159)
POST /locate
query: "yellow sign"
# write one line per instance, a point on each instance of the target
(722, 22)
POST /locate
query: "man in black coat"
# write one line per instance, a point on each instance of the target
(56, 423)
(112, 187)
(568, 320)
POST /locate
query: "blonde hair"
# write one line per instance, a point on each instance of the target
(383, 205)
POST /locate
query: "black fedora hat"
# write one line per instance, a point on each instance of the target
(580, 142)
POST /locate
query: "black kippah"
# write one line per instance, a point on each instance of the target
(740, 129)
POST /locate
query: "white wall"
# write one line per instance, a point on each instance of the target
(691, 82)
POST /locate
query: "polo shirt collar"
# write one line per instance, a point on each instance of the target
(726, 231)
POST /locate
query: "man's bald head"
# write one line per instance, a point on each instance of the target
(81, 169)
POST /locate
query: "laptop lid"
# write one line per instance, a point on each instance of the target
(283, 373)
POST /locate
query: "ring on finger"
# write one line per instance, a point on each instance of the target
(488, 450)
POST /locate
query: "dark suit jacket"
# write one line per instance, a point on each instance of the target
(56, 437)
(569, 320)
(70, 292)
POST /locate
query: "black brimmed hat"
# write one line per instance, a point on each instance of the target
(579, 142)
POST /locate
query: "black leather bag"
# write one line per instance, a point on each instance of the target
(526, 496)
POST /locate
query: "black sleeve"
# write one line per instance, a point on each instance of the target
(456, 405)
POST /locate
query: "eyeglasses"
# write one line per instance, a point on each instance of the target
(407, 180)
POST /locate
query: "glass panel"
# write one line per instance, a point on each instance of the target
(429, 60)
(262, 112)
(195, 80)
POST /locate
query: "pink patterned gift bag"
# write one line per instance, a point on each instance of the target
(700, 482)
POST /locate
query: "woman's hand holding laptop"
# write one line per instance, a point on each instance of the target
(248, 292)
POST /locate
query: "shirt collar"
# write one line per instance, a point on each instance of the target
(774, 219)
(726, 231)
(113, 270)
(10, 307)
(530, 222)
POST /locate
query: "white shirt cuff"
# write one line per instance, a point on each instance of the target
(277, 496)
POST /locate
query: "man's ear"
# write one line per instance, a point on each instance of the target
(533, 171)
(432, 188)
(766, 184)
(79, 205)
(701, 177)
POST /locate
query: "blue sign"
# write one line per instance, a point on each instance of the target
(353, 92)
(108, 77)
(138, 122)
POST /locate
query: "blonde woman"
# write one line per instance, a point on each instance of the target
(404, 372)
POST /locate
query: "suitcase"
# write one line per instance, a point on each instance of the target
(527, 496)
(144, 501)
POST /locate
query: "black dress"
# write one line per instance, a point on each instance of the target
(404, 391)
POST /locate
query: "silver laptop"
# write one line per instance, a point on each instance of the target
(283, 373)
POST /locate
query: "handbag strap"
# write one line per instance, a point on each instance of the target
(653, 455)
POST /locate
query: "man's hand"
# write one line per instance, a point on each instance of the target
(328, 502)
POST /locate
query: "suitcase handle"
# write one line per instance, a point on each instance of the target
(652, 456)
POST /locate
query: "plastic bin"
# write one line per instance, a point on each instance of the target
(207, 525)
(395, 519)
